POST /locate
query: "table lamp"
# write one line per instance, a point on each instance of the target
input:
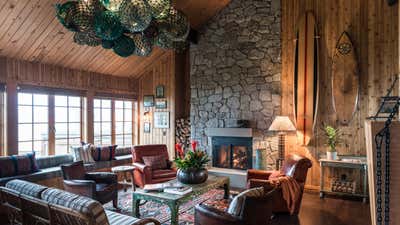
(282, 125)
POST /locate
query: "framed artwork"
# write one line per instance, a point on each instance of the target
(161, 119)
(160, 91)
(146, 127)
(161, 104)
(148, 100)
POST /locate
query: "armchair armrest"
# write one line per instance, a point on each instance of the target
(81, 187)
(209, 215)
(102, 177)
(268, 186)
(147, 221)
(142, 168)
(258, 174)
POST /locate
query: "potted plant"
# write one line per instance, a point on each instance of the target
(192, 165)
(332, 140)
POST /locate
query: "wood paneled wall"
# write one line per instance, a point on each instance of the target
(16, 73)
(169, 70)
(373, 28)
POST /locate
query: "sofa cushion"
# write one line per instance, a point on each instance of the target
(104, 153)
(45, 162)
(121, 151)
(156, 162)
(80, 204)
(120, 219)
(26, 188)
(83, 153)
(236, 206)
(158, 174)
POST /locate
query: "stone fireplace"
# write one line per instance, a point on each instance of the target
(236, 74)
(232, 152)
(231, 148)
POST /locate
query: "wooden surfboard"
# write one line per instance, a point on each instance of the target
(345, 80)
(306, 78)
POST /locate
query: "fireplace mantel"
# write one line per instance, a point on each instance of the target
(229, 132)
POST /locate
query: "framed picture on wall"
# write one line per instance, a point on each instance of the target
(161, 104)
(148, 100)
(160, 91)
(146, 127)
(161, 119)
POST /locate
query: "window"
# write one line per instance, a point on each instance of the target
(67, 113)
(102, 121)
(123, 123)
(33, 125)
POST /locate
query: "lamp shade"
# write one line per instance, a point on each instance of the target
(282, 124)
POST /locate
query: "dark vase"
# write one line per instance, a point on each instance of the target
(192, 176)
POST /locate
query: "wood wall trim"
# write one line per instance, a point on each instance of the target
(49, 76)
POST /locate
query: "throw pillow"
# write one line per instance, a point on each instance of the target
(7, 167)
(236, 206)
(156, 162)
(18, 165)
(103, 153)
(83, 153)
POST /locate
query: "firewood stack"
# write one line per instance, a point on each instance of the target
(182, 133)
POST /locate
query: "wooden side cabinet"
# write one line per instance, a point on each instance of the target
(356, 163)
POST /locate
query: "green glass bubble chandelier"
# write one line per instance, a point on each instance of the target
(127, 27)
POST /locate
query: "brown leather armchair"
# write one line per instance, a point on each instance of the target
(250, 213)
(145, 174)
(100, 186)
(295, 166)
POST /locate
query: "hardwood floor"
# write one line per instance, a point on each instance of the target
(327, 211)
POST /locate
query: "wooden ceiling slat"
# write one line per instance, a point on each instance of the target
(30, 31)
(32, 35)
(28, 28)
(11, 19)
(19, 21)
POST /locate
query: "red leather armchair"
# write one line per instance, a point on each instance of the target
(100, 186)
(145, 174)
(250, 213)
(295, 166)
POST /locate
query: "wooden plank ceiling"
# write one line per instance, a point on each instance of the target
(30, 31)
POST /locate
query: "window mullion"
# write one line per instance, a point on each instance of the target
(113, 122)
(51, 125)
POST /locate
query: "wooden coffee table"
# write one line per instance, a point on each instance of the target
(174, 201)
(124, 170)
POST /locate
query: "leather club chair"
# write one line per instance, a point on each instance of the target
(145, 174)
(295, 166)
(100, 186)
(255, 211)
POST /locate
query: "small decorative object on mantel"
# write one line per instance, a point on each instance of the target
(192, 165)
(333, 138)
(148, 100)
(160, 91)
(129, 27)
(161, 104)
(161, 119)
(281, 124)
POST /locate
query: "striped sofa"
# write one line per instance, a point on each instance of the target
(29, 203)
(49, 166)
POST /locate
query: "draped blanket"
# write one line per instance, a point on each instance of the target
(291, 191)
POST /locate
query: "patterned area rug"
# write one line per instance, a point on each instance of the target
(162, 212)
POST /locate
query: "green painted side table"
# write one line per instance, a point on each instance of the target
(174, 201)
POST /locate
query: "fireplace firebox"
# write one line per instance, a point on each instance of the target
(232, 152)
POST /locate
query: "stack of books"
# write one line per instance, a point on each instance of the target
(171, 188)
